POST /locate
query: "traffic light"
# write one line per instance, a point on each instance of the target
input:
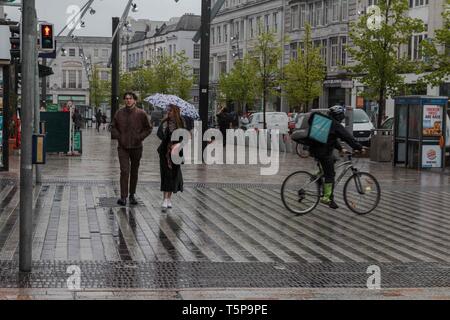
(46, 37)
(15, 41)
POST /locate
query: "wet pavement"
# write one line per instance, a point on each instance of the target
(228, 229)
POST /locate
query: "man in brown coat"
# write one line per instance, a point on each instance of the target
(130, 127)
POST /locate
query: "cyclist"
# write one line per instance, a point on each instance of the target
(324, 152)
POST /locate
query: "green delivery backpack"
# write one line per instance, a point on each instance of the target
(315, 128)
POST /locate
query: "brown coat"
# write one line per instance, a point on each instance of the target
(130, 127)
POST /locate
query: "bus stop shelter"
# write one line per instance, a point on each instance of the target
(420, 131)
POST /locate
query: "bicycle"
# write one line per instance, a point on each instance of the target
(301, 191)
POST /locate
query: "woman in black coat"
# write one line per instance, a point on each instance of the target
(171, 176)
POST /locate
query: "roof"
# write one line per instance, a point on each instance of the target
(188, 22)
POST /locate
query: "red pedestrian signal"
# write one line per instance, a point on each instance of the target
(46, 37)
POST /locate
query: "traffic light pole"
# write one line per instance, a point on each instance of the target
(26, 168)
(115, 61)
(204, 64)
(37, 114)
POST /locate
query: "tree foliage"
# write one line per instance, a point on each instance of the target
(239, 84)
(437, 52)
(379, 66)
(99, 90)
(266, 55)
(303, 77)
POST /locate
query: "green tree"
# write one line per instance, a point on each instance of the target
(266, 54)
(437, 52)
(182, 79)
(303, 77)
(99, 90)
(376, 50)
(238, 85)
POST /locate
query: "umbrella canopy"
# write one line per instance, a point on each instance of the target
(164, 100)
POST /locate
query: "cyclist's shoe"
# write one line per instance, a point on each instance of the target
(329, 202)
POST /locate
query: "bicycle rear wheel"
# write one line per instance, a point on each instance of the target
(300, 192)
(362, 193)
(301, 151)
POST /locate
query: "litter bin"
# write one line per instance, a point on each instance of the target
(381, 145)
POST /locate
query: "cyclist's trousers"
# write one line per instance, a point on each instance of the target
(327, 164)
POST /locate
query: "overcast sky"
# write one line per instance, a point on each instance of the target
(54, 11)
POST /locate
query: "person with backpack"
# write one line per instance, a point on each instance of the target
(323, 152)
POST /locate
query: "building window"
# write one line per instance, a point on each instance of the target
(225, 33)
(318, 13)
(294, 52)
(219, 35)
(335, 10)
(64, 79)
(324, 51)
(302, 15)
(72, 79)
(196, 75)
(104, 53)
(294, 17)
(81, 52)
(252, 28)
(415, 46)
(213, 35)
(96, 53)
(334, 51)
(343, 51)
(266, 23)
(259, 25)
(104, 75)
(80, 79)
(311, 14)
(197, 48)
(275, 22)
(71, 52)
(344, 7)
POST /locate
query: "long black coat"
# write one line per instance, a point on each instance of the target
(171, 176)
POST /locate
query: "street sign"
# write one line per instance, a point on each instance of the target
(52, 108)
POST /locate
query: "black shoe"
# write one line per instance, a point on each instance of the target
(333, 205)
(133, 200)
(122, 202)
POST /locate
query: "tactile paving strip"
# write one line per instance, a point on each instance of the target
(165, 275)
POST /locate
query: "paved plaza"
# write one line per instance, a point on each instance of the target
(227, 237)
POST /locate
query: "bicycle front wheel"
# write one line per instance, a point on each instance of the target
(300, 192)
(362, 193)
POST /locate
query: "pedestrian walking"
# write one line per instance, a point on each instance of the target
(171, 176)
(98, 120)
(104, 120)
(223, 120)
(77, 119)
(130, 127)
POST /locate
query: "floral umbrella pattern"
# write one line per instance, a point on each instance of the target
(164, 100)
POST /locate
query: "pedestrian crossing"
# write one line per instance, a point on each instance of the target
(224, 223)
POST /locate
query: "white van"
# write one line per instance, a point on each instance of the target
(274, 120)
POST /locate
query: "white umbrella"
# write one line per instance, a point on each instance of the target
(164, 100)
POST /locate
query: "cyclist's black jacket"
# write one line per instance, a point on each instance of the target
(337, 131)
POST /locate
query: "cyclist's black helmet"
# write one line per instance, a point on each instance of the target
(337, 113)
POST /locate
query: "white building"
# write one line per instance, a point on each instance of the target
(75, 60)
(234, 30)
(171, 38)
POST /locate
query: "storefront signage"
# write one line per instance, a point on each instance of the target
(432, 121)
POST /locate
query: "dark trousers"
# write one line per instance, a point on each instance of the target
(327, 164)
(129, 168)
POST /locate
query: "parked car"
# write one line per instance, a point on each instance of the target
(274, 120)
(388, 124)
